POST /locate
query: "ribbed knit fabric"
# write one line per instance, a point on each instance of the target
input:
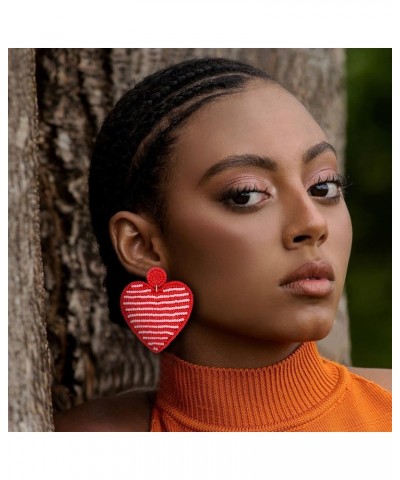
(304, 392)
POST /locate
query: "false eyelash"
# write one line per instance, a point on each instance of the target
(342, 181)
(239, 190)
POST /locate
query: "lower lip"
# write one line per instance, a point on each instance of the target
(321, 287)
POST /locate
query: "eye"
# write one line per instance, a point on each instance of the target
(242, 197)
(330, 188)
(325, 189)
(247, 198)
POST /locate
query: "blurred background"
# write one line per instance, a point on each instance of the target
(368, 164)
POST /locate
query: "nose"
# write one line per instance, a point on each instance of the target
(304, 223)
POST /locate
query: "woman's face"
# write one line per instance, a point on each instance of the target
(253, 198)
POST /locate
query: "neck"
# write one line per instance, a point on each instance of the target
(209, 346)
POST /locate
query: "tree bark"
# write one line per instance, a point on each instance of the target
(29, 399)
(76, 89)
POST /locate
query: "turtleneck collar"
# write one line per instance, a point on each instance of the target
(275, 397)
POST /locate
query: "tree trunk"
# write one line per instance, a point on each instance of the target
(76, 89)
(29, 400)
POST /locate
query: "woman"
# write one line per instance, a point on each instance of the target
(213, 172)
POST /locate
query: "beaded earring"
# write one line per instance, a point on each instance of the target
(156, 311)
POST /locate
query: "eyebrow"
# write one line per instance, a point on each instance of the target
(260, 161)
(246, 160)
(316, 150)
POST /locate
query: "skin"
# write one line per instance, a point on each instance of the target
(234, 255)
(235, 260)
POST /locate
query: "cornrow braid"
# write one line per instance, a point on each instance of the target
(129, 165)
(153, 151)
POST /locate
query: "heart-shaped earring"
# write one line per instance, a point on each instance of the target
(156, 311)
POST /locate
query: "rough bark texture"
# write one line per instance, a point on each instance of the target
(76, 88)
(29, 407)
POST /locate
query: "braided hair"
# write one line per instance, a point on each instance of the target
(129, 165)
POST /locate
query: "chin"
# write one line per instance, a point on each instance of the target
(308, 328)
(315, 329)
(300, 333)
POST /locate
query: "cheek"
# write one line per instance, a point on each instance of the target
(222, 259)
(346, 230)
(340, 240)
(221, 251)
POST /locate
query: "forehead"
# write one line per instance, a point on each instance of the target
(262, 119)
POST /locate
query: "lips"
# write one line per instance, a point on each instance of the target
(313, 279)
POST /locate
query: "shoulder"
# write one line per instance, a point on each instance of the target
(126, 412)
(380, 376)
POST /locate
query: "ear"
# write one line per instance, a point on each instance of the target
(138, 243)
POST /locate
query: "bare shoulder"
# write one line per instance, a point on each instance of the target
(381, 376)
(125, 412)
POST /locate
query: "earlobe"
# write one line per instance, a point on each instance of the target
(137, 242)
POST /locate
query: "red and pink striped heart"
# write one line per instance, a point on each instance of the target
(156, 311)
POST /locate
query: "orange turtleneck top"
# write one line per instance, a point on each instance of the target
(302, 393)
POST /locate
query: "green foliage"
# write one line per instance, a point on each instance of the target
(368, 164)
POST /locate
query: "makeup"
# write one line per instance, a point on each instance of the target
(313, 279)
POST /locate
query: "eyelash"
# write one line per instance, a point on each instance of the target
(236, 191)
(342, 182)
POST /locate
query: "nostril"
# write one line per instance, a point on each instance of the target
(300, 238)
